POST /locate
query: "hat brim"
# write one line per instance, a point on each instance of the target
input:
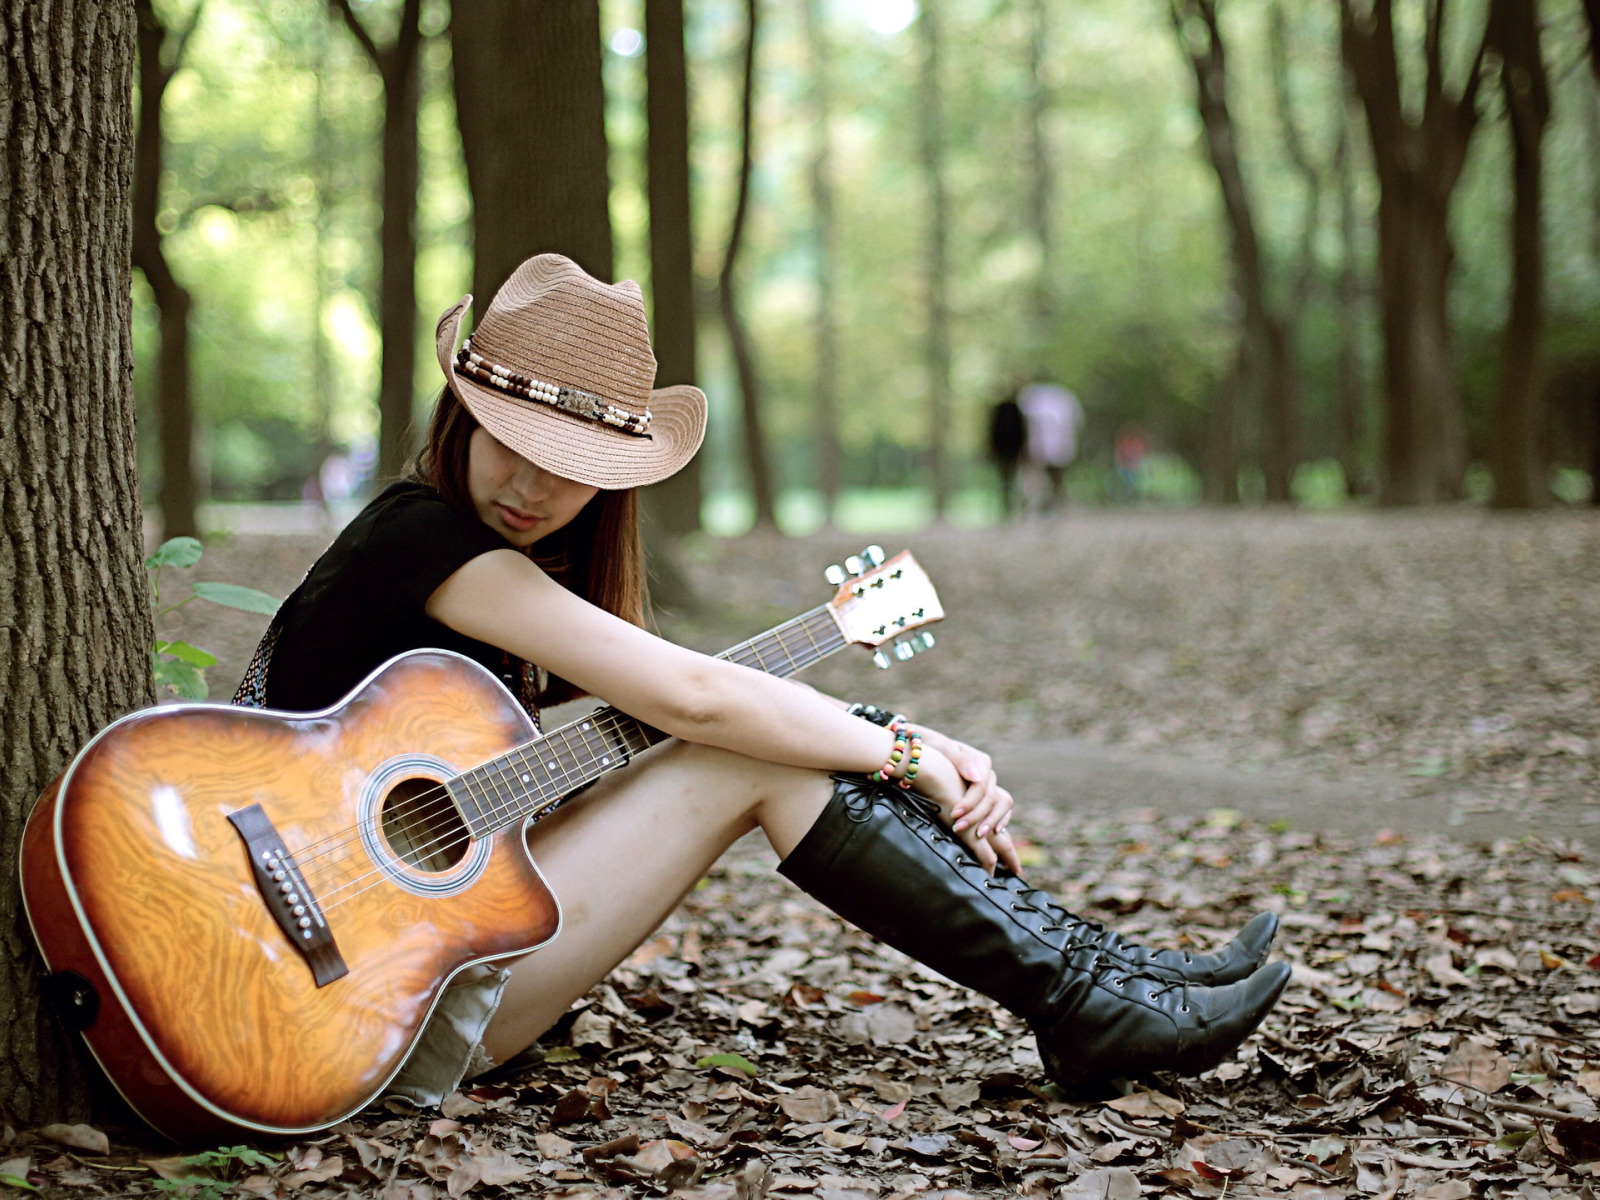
(571, 446)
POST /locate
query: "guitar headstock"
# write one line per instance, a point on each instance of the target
(878, 603)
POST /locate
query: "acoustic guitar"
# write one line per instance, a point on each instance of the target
(250, 914)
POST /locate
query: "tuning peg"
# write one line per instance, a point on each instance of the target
(834, 574)
(854, 565)
(873, 555)
(880, 660)
(924, 640)
(904, 650)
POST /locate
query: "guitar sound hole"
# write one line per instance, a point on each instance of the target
(423, 826)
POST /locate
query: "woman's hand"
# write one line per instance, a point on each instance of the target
(976, 807)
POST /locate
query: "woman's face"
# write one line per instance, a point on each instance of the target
(518, 500)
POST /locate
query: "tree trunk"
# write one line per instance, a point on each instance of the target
(531, 106)
(738, 339)
(1418, 164)
(1264, 332)
(1591, 9)
(398, 66)
(932, 103)
(1516, 457)
(1351, 398)
(1041, 173)
(673, 504)
(825, 418)
(179, 493)
(1219, 475)
(75, 624)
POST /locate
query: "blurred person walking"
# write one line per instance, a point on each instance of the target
(1054, 418)
(1008, 436)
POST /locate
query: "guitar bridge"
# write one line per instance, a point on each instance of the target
(288, 898)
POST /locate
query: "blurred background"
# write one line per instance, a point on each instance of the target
(1307, 252)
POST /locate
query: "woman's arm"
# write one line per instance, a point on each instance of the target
(503, 599)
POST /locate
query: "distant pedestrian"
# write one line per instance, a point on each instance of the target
(1054, 418)
(1008, 437)
(1128, 457)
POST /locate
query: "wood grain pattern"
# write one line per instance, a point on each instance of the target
(166, 895)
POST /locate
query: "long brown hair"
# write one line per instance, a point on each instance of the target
(599, 555)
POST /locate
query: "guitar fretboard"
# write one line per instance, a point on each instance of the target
(537, 775)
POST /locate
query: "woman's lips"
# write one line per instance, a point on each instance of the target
(516, 519)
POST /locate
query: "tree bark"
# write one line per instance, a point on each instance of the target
(531, 107)
(75, 624)
(1591, 10)
(1219, 475)
(673, 504)
(1350, 379)
(825, 418)
(398, 66)
(1516, 457)
(739, 340)
(937, 269)
(160, 55)
(1265, 333)
(1418, 163)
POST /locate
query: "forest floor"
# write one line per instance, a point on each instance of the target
(1437, 1040)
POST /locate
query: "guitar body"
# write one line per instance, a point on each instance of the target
(209, 1020)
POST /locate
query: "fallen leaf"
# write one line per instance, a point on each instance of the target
(1104, 1183)
(733, 1062)
(552, 1145)
(1146, 1104)
(593, 1029)
(80, 1137)
(1477, 1066)
(810, 1105)
(894, 1113)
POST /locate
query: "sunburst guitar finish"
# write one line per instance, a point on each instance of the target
(136, 880)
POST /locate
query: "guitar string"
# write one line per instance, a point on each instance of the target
(382, 875)
(343, 838)
(570, 778)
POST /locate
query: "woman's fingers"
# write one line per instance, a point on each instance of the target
(975, 805)
(1006, 851)
(981, 850)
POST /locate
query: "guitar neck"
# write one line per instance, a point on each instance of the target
(532, 779)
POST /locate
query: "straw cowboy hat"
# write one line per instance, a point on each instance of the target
(560, 369)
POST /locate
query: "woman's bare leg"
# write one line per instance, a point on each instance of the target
(622, 856)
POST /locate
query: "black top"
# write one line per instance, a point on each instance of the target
(362, 603)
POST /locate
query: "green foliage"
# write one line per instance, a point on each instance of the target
(211, 1174)
(178, 666)
(737, 1062)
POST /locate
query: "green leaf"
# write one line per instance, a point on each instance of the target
(1431, 767)
(175, 552)
(234, 596)
(561, 1054)
(181, 678)
(737, 1061)
(13, 1181)
(192, 655)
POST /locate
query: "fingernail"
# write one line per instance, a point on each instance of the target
(983, 831)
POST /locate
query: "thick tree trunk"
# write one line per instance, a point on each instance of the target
(825, 418)
(1219, 475)
(179, 493)
(75, 625)
(1591, 9)
(738, 338)
(398, 65)
(1516, 457)
(673, 504)
(531, 107)
(1418, 164)
(936, 267)
(1264, 332)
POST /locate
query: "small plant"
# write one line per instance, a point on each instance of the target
(179, 666)
(211, 1174)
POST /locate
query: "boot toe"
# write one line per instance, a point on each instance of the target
(1230, 1014)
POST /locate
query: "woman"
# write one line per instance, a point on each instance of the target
(515, 541)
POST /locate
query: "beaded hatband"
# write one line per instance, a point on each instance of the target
(567, 399)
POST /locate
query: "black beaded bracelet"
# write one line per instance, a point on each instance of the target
(871, 712)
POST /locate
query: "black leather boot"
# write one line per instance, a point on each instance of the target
(1235, 961)
(880, 858)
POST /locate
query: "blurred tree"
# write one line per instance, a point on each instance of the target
(1419, 162)
(531, 107)
(935, 267)
(759, 469)
(1516, 451)
(1265, 335)
(1591, 9)
(1040, 170)
(673, 504)
(75, 642)
(825, 418)
(397, 67)
(1350, 375)
(160, 56)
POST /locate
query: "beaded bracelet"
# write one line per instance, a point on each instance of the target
(907, 750)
